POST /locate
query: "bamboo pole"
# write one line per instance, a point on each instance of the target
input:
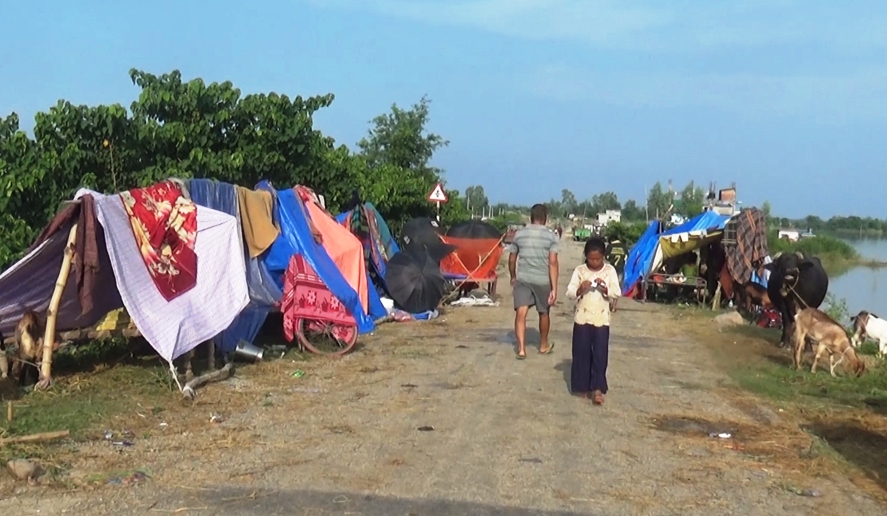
(52, 310)
(33, 438)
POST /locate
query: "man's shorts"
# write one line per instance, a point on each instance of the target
(531, 295)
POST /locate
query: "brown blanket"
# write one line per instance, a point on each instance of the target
(86, 249)
(257, 219)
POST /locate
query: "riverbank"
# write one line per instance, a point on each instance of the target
(836, 255)
(844, 418)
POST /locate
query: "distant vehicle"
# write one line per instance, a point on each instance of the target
(581, 234)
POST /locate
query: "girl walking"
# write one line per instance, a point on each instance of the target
(594, 285)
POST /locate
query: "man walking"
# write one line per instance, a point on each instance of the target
(533, 267)
(615, 255)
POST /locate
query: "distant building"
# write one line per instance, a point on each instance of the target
(724, 204)
(792, 235)
(605, 218)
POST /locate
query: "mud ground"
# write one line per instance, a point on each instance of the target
(500, 436)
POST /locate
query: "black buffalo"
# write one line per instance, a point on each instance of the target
(796, 282)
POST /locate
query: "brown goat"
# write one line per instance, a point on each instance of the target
(29, 352)
(829, 336)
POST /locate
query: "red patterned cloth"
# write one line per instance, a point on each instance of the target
(164, 224)
(305, 296)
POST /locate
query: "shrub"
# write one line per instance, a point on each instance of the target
(628, 232)
(825, 247)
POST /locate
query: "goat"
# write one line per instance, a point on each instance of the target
(4, 360)
(29, 349)
(828, 335)
(866, 324)
(211, 360)
(751, 293)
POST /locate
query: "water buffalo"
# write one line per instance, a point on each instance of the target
(796, 282)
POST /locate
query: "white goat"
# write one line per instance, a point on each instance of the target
(867, 324)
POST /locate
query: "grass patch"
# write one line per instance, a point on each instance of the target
(836, 255)
(758, 366)
(94, 383)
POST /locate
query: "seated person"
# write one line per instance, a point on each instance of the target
(690, 269)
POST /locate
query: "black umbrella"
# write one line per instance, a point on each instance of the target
(422, 230)
(437, 251)
(474, 229)
(414, 281)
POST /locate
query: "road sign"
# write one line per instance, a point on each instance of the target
(438, 194)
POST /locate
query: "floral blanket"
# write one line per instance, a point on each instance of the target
(164, 224)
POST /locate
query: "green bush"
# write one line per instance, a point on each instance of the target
(501, 223)
(825, 247)
(628, 232)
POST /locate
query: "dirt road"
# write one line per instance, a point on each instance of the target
(507, 439)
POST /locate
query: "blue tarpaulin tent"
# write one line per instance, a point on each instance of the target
(640, 256)
(263, 292)
(654, 247)
(295, 238)
(265, 273)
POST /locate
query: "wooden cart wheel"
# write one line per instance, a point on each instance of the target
(324, 338)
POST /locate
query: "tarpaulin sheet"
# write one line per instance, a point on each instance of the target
(295, 238)
(263, 292)
(640, 257)
(475, 259)
(693, 234)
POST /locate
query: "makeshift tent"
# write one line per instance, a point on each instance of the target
(121, 279)
(694, 234)
(640, 257)
(296, 238)
(263, 291)
(474, 261)
(367, 224)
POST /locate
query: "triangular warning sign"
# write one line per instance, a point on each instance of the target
(438, 194)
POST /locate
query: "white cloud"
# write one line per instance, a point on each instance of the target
(854, 96)
(660, 26)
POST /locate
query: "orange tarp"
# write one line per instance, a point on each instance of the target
(474, 259)
(344, 248)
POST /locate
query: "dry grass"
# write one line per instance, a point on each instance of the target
(826, 426)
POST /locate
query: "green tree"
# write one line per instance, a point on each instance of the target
(179, 128)
(477, 199)
(766, 210)
(400, 138)
(568, 202)
(605, 201)
(691, 201)
(394, 171)
(631, 212)
(659, 201)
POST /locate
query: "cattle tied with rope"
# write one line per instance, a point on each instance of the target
(796, 282)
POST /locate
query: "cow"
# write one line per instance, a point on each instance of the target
(867, 324)
(796, 282)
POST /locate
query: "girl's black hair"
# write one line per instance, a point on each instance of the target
(594, 244)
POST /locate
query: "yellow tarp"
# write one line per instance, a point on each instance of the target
(676, 245)
(116, 320)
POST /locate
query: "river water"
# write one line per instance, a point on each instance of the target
(864, 288)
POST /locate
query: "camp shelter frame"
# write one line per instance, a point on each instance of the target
(460, 279)
(698, 232)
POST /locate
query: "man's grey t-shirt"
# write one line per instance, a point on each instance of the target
(532, 244)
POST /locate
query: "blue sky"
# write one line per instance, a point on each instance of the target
(787, 98)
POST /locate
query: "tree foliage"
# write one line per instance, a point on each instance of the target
(186, 129)
(659, 201)
(477, 198)
(691, 201)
